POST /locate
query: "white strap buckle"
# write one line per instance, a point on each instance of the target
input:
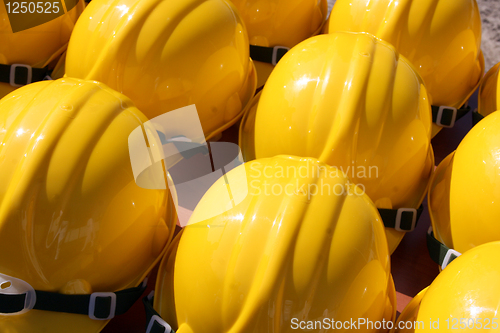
(12, 76)
(160, 322)
(112, 309)
(447, 257)
(439, 116)
(397, 225)
(275, 59)
(13, 286)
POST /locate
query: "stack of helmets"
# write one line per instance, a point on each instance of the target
(285, 256)
(441, 38)
(295, 250)
(78, 236)
(275, 26)
(32, 44)
(338, 161)
(464, 296)
(352, 101)
(463, 194)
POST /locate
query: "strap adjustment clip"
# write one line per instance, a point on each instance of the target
(92, 305)
(276, 57)
(16, 288)
(13, 72)
(399, 216)
(449, 257)
(439, 116)
(157, 319)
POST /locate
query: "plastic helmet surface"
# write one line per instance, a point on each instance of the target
(36, 40)
(463, 297)
(464, 195)
(351, 101)
(441, 38)
(489, 92)
(72, 219)
(305, 244)
(165, 55)
(280, 23)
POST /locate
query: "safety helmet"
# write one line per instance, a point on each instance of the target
(351, 101)
(463, 194)
(441, 38)
(74, 227)
(305, 244)
(165, 55)
(489, 94)
(275, 26)
(464, 296)
(31, 43)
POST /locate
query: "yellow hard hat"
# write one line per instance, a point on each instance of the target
(463, 194)
(463, 297)
(305, 244)
(275, 26)
(489, 94)
(77, 234)
(351, 101)
(442, 39)
(31, 43)
(165, 55)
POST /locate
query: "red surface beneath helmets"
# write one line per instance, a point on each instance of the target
(412, 268)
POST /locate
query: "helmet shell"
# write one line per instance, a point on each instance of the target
(441, 38)
(72, 219)
(463, 294)
(489, 92)
(285, 23)
(165, 55)
(464, 194)
(288, 250)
